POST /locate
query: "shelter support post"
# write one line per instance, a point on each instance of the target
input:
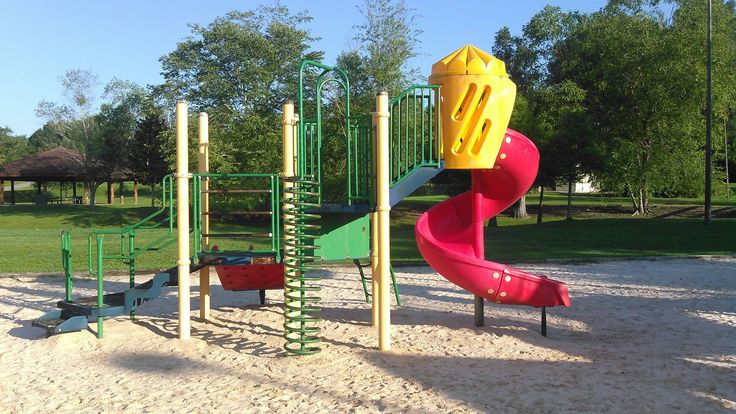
(135, 192)
(12, 192)
(2, 192)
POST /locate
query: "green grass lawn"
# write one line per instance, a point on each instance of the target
(603, 228)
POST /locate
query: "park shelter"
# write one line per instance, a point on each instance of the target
(59, 164)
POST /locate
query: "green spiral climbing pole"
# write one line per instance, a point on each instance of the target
(300, 234)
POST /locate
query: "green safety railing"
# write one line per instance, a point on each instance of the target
(360, 159)
(163, 218)
(248, 184)
(414, 131)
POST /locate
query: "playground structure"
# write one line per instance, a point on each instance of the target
(458, 121)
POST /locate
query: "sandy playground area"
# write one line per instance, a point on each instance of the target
(642, 336)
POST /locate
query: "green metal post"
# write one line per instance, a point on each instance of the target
(66, 257)
(431, 134)
(131, 265)
(100, 286)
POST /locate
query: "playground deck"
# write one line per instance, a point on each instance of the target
(642, 336)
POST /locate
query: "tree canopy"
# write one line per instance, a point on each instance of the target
(621, 91)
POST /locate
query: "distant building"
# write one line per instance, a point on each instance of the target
(584, 185)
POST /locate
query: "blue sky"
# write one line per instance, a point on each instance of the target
(125, 39)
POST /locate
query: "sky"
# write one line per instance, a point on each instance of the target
(42, 39)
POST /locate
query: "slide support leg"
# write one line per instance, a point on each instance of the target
(479, 320)
(544, 321)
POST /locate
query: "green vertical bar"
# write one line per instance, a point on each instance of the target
(171, 203)
(414, 95)
(131, 265)
(439, 122)
(100, 286)
(406, 136)
(274, 233)
(89, 252)
(310, 137)
(197, 213)
(66, 257)
(398, 141)
(390, 146)
(422, 133)
(355, 137)
(319, 159)
(350, 161)
(431, 136)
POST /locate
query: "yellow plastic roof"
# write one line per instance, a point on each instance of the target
(469, 60)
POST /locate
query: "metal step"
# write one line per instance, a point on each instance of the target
(411, 182)
(74, 315)
(56, 322)
(144, 292)
(112, 306)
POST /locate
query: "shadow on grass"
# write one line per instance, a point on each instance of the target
(79, 215)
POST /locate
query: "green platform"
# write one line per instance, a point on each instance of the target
(344, 237)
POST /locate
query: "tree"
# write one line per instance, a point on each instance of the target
(572, 143)
(12, 147)
(522, 120)
(149, 151)
(528, 59)
(44, 138)
(101, 138)
(241, 68)
(388, 39)
(646, 105)
(75, 124)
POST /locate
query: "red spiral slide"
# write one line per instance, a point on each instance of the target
(450, 234)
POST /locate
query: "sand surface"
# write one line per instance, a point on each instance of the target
(641, 336)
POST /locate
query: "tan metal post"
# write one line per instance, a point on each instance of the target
(383, 207)
(288, 170)
(182, 216)
(203, 158)
(289, 124)
(135, 192)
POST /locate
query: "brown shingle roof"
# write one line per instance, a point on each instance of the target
(57, 164)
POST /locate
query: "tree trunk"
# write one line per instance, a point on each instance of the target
(110, 193)
(519, 209)
(540, 211)
(90, 192)
(570, 179)
(493, 222)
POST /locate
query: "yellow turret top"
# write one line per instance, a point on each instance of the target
(468, 60)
